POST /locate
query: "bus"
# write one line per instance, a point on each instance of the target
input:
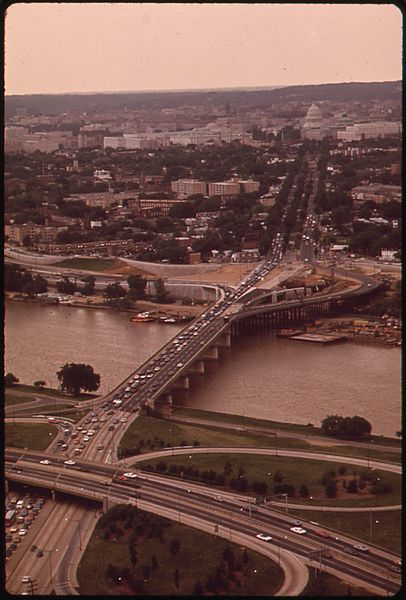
(10, 516)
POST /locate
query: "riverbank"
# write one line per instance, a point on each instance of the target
(175, 309)
(366, 329)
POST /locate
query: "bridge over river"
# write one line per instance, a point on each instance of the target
(246, 307)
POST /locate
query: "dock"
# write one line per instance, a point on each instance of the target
(319, 338)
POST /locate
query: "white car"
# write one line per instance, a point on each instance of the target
(69, 462)
(130, 475)
(22, 532)
(45, 462)
(264, 536)
(298, 530)
(361, 548)
(26, 579)
(86, 439)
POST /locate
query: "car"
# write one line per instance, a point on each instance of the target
(111, 428)
(130, 475)
(26, 579)
(22, 532)
(395, 568)
(124, 420)
(298, 530)
(264, 536)
(45, 462)
(361, 547)
(9, 552)
(14, 529)
(86, 438)
(39, 554)
(69, 462)
(33, 548)
(350, 550)
(296, 522)
(248, 508)
(122, 478)
(9, 537)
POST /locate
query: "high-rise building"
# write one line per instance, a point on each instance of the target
(184, 188)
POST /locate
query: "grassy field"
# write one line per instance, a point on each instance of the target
(90, 264)
(35, 436)
(198, 557)
(148, 433)
(240, 421)
(386, 533)
(326, 585)
(295, 472)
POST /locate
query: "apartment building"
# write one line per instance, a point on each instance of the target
(184, 188)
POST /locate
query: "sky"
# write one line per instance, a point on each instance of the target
(106, 47)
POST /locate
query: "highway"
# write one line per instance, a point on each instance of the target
(102, 483)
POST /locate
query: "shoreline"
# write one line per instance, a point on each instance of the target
(192, 311)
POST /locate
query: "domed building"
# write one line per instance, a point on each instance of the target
(314, 126)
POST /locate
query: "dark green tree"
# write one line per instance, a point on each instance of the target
(114, 290)
(137, 286)
(10, 379)
(75, 377)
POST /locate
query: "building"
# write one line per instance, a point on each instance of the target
(184, 188)
(151, 207)
(314, 126)
(377, 192)
(378, 129)
(105, 247)
(249, 185)
(103, 199)
(36, 233)
(102, 174)
(224, 189)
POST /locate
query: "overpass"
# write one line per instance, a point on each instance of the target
(198, 506)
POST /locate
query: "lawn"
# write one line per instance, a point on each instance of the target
(197, 558)
(91, 264)
(386, 533)
(276, 425)
(296, 472)
(326, 585)
(35, 436)
(147, 433)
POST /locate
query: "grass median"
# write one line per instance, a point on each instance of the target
(35, 436)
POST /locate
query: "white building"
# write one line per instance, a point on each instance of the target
(314, 127)
(102, 174)
(184, 188)
(360, 131)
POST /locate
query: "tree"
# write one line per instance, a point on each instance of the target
(89, 287)
(161, 293)
(349, 427)
(137, 286)
(10, 379)
(331, 488)
(303, 491)
(74, 377)
(66, 286)
(114, 290)
(352, 486)
(40, 383)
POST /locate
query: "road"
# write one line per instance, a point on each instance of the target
(199, 502)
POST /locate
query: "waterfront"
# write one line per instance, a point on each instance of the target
(260, 376)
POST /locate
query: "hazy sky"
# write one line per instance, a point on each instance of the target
(56, 48)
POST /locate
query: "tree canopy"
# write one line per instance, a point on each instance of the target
(75, 377)
(348, 427)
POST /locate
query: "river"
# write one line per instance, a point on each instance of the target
(260, 376)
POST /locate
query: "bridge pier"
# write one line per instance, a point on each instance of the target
(182, 383)
(163, 404)
(197, 368)
(224, 340)
(211, 353)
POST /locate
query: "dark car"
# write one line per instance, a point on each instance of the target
(33, 548)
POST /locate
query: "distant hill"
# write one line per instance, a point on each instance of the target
(59, 103)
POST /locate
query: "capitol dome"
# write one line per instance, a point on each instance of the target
(314, 117)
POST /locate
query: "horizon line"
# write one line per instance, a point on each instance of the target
(191, 90)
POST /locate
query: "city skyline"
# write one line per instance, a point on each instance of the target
(128, 45)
